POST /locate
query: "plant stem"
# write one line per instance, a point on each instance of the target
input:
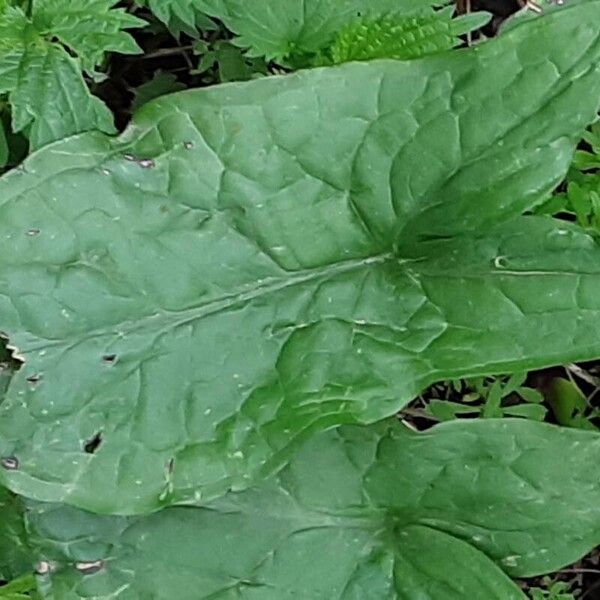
(168, 52)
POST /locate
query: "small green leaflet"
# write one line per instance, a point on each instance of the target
(49, 97)
(358, 514)
(252, 263)
(162, 83)
(400, 37)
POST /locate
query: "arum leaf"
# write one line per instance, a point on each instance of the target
(359, 513)
(253, 263)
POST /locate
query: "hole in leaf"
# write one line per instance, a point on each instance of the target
(35, 378)
(33, 231)
(145, 163)
(10, 355)
(93, 443)
(44, 567)
(109, 358)
(89, 568)
(10, 463)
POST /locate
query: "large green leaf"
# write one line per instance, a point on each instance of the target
(279, 29)
(547, 6)
(359, 513)
(249, 264)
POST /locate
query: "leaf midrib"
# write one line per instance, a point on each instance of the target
(170, 319)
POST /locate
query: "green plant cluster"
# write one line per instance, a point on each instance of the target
(215, 321)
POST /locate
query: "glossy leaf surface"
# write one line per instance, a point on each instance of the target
(359, 513)
(253, 263)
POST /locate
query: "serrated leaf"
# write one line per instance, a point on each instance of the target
(399, 36)
(279, 29)
(252, 263)
(49, 97)
(181, 15)
(51, 100)
(358, 513)
(182, 9)
(90, 28)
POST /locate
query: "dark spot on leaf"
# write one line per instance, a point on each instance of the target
(145, 163)
(34, 231)
(109, 358)
(10, 463)
(35, 378)
(89, 568)
(93, 443)
(170, 466)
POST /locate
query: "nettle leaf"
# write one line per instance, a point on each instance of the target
(180, 14)
(295, 27)
(401, 37)
(252, 263)
(358, 513)
(49, 97)
(90, 28)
